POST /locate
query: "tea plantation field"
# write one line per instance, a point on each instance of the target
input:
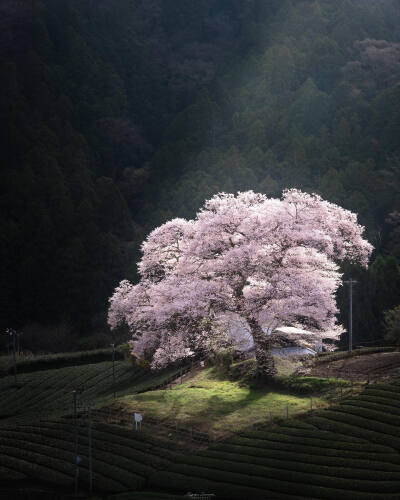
(349, 451)
(49, 392)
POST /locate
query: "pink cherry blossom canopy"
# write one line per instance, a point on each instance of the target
(269, 261)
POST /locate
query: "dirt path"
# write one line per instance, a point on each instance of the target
(375, 367)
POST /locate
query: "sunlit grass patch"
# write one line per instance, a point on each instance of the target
(211, 402)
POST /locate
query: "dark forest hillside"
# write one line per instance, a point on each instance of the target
(116, 116)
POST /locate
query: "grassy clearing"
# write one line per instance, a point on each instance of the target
(212, 403)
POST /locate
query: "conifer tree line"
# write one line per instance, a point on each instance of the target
(118, 116)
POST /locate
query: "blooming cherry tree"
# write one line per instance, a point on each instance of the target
(268, 261)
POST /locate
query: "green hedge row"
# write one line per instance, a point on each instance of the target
(128, 445)
(378, 398)
(338, 477)
(140, 439)
(222, 490)
(104, 444)
(296, 423)
(107, 475)
(302, 450)
(7, 474)
(100, 452)
(56, 464)
(48, 361)
(140, 495)
(312, 432)
(392, 411)
(376, 432)
(312, 440)
(48, 384)
(289, 482)
(380, 417)
(35, 470)
(300, 460)
(290, 442)
(308, 384)
(55, 392)
(158, 451)
(326, 358)
(388, 392)
(371, 420)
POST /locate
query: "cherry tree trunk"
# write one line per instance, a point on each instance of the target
(262, 346)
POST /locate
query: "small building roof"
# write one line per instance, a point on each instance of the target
(287, 330)
(292, 351)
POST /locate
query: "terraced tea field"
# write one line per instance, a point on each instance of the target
(49, 392)
(349, 451)
(122, 460)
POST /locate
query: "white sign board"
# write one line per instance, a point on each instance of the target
(202, 364)
(138, 420)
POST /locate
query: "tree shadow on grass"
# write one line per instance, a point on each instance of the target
(218, 406)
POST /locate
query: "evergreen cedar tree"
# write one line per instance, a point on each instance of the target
(269, 261)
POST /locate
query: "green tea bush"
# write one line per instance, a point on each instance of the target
(102, 451)
(377, 398)
(391, 389)
(35, 470)
(302, 442)
(244, 370)
(335, 356)
(375, 432)
(295, 471)
(378, 455)
(370, 405)
(290, 482)
(308, 461)
(7, 474)
(283, 434)
(310, 385)
(372, 415)
(184, 483)
(125, 446)
(60, 360)
(140, 495)
(312, 433)
(109, 476)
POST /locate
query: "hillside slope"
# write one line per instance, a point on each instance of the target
(116, 116)
(332, 453)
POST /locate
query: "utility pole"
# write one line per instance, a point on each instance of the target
(76, 465)
(350, 282)
(14, 333)
(113, 367)
(11, 332)
(90, 451)
(76, 457)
